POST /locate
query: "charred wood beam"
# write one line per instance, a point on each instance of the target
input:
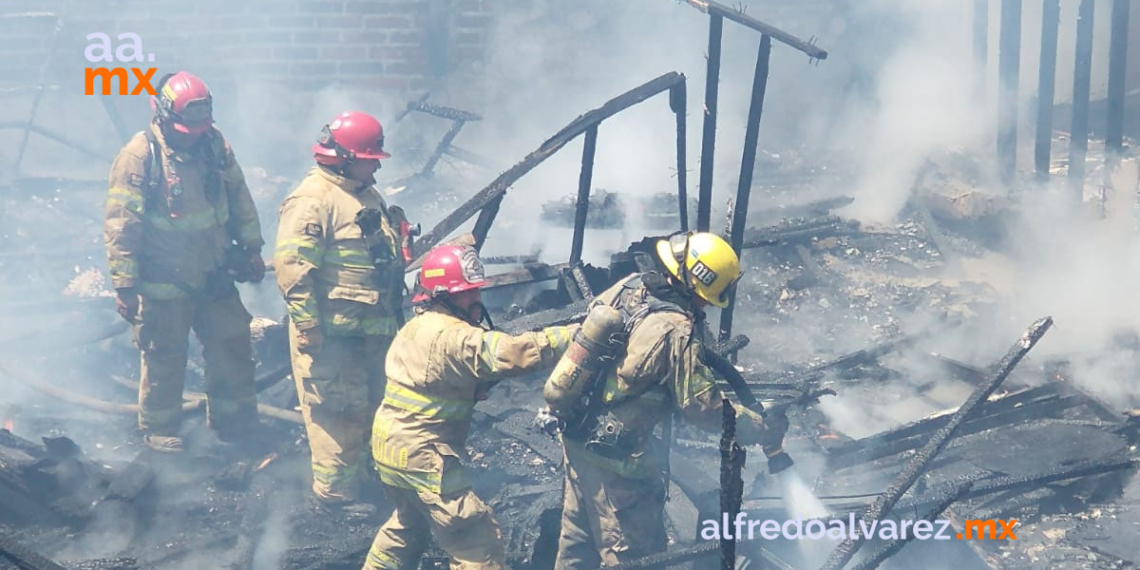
(582, 206)
(1046, 81)
(747, 168)
(482, 224)
(917, 464)
(981, 32)
(717, 9)
(56, 40)
(708, 137)
(880, 556)
(441, 148)
(551, 317)
(1082, 79)
(450, 113)
(1009, 65)
(471, 157)
(678, 103)
(533, 274)
(509, 259)
(489, 198)
(81, 400)
(25, 557)
(732, 458)
(1117, 69)
(798, 232)
(28, 127)
(731, 346)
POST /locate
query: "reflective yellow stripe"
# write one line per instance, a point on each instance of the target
(126, 198)
(423, 481)
(124, 269)
(348, 257)
(305, 249)
(695, 384)
(380, 560)
(559, 337)
(431, 406)
(161, 291)
(489, 351)
(332, 476)
(250, 232)
(197, 221)
(303, 310)
(340, 324)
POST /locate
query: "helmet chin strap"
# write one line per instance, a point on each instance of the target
(485, 315)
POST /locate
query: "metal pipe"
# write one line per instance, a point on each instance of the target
(1046, 80)
(708, 138)
(919, 461)
(1117, 67)
(1082, 78)
(585, 180)
(747, 167)
(678, 103)
(1009, 64)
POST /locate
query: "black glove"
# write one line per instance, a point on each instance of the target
(127, 304)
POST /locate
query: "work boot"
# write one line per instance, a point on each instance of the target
(163, 443)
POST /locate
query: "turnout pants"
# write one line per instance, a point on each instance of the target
(462, 524)
(163, 337)
(607, 519)
(339, 388)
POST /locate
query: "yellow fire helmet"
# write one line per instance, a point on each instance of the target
(711, 266)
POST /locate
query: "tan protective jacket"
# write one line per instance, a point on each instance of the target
(322, 263)
(660, 371)
(435, 367)
(167, 240)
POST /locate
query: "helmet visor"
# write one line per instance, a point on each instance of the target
(196, 113)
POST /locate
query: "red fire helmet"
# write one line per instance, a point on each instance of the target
(351, 135)
(450, 269)
(185, 102)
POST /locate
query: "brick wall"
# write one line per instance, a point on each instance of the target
(394, 45)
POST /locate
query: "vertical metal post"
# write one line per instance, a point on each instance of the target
(981, 46)
(1009, 67)
(582, 208)
(1046, 81)
(1117, 66)
(1082, 78)
(708, 141)
(678, 102)
(747, 166)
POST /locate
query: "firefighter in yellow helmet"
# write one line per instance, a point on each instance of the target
(615, 468)
(340, 270)
(441, 363)
(180, 228)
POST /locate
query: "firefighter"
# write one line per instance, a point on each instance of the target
(341, 273)
(441, 363)
(180, 228)
(615, 468)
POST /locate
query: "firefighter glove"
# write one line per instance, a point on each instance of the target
(127, 304)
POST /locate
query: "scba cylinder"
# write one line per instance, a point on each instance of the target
(579, 366)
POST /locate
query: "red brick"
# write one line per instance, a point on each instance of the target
(266, 37)
(321, 7)
(414, 37)
(339, 22)
(402, 68)
(360, 67)
(295, 52)
(368, 37)
(373, 7)
(290, 21)
(388, 22)
(313, 69)
(382, 82)
(343, 52)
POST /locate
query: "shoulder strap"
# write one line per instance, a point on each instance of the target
(154, 171)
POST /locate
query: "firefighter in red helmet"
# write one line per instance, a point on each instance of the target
(440, 364)
(341, 271)
(180, 228)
